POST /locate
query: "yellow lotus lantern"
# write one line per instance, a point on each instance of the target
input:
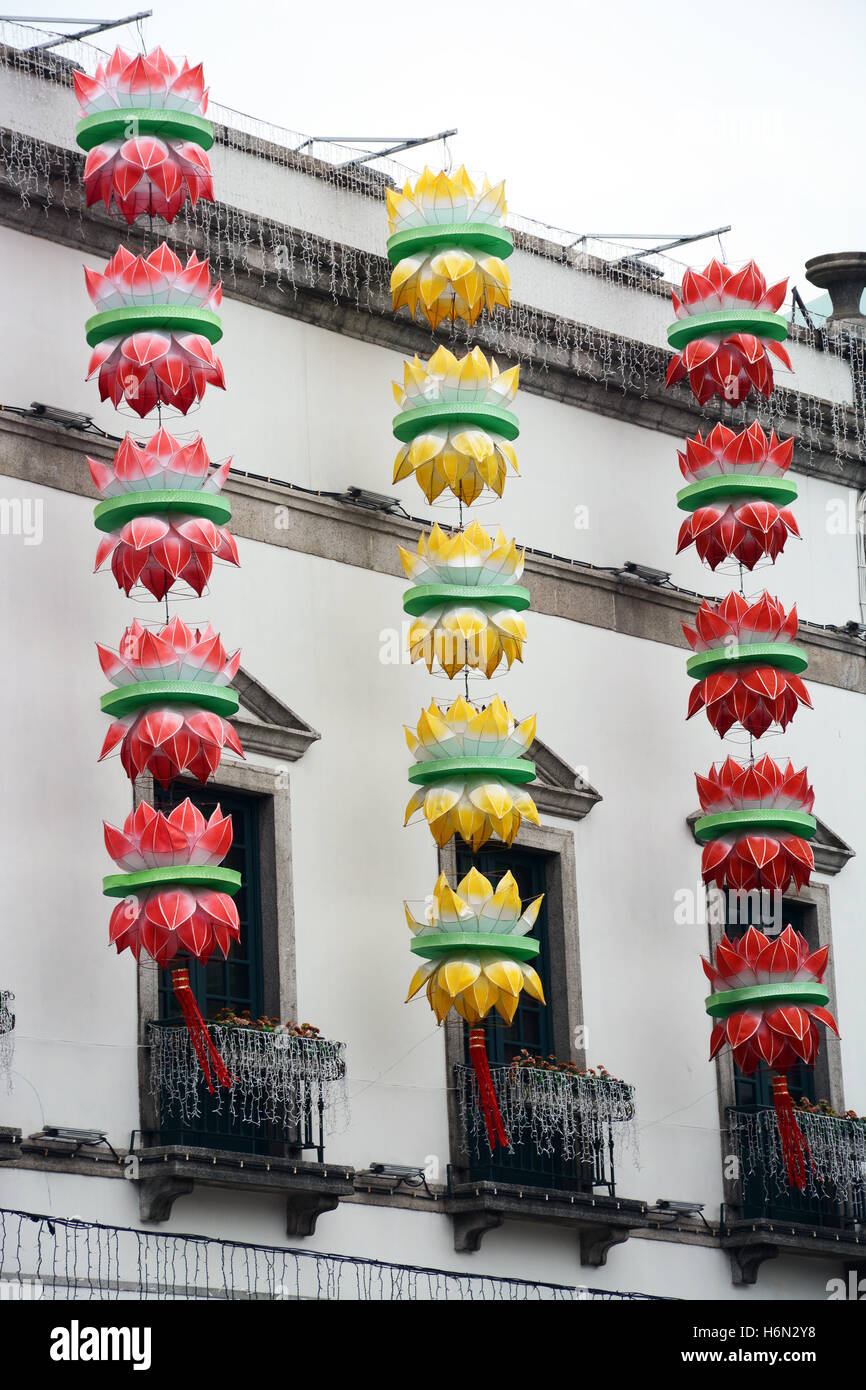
(470, 771)
(456, 430)
(475, 947)
(455, 425)
(465, 600)
(448, 246)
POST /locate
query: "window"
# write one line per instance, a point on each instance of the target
(759, 1198)
(532, 1025)
(541, 1029)
(756, 1091)
(238, 981)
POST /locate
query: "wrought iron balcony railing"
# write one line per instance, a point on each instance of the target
(835, 1195)
(566, 1130)
(287, 1091)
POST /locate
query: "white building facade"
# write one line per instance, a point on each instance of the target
(310, 348)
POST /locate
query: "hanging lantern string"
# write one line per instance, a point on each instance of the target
(213, 1067)
(486, 1094)
(795, 1150)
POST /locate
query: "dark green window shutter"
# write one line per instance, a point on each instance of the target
(236, 982)
(532, 1025)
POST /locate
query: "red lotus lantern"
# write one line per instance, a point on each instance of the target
(768, 993)
(737, 488)
(746, 664)
(768, 999)
(144, 129)
(727, 326)
(163, 513)
(153, 333)
(172, 699)
(756, 827)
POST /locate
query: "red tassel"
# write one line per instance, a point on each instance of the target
(795, 1150)
(487, 1095)
(210, 1061)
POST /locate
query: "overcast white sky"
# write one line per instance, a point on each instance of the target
(672, 116)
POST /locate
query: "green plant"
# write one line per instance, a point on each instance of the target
(525, 1059)
(227, 1018)
(823, 1107)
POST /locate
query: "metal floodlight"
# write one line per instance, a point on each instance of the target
(374, 501)
(856, 629)
(647, 573)
(680, 1208)
(401, 1175)
(75, 1136)
(397, 1170)
(635, 266)
(70, 419)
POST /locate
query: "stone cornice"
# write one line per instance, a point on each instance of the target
(570, 375)
(278, 514)
(281, 733)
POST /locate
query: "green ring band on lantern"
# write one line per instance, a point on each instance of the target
(410, 423)
(219, 699)
(173, 318)
(432, 944)
(117, 511)
(740, 822)
(172, 875)
(424, 596)
(148, 120)
(722, 322)
(731, 1001)
(783, 655)
(441, 769)
(476, 236)
(723, 486)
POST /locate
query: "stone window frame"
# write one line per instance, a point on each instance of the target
(562, 792)
(556, 845)
(277, 732)
(828, 1069)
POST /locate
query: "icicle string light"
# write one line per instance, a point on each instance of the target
(558, 1112)
(242, 244)
(273, 1074)
(93, 1261)
(7, 1037)
(837, 1146)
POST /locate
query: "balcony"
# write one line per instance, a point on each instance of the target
(566, 1131)
(287, 1092)
(769, 1218)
